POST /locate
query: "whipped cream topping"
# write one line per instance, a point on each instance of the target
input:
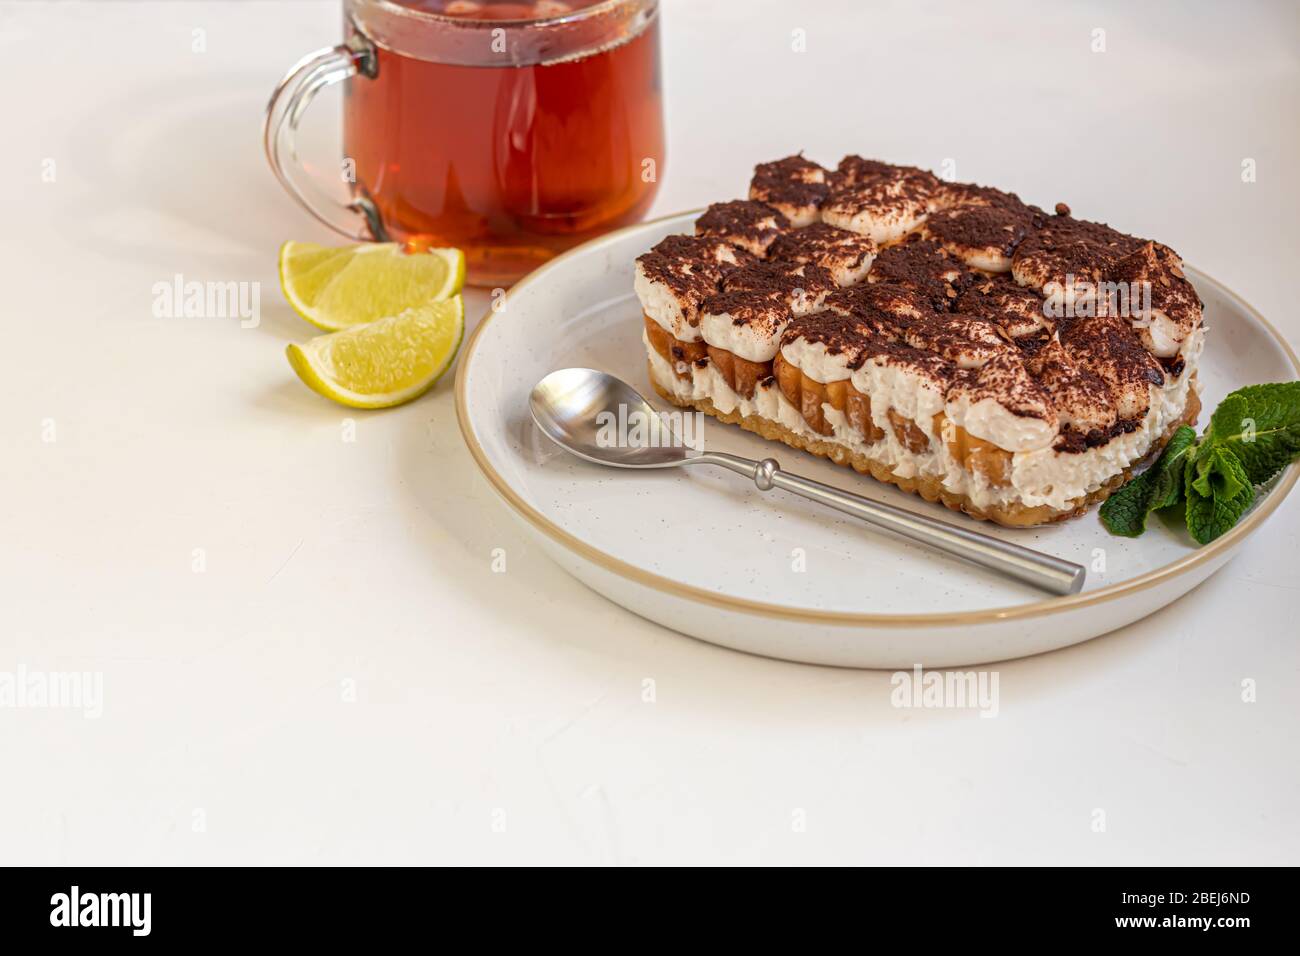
(924, 268)
(756, 304)
(752, 226)
(794, 186)
(988, 419)
(982, 227)
(678, 274)
(746, 324)
(846, 256)
(1091, 269)
(885, 206)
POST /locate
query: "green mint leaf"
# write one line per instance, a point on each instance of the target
(1253, 434)
(1226, 422)
(1167, 486)
(1230, 493)
(1125, 512)
(1260, 424)
(1198, 471)
(1219, 473)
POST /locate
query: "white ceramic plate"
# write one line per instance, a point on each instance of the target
(705, 553)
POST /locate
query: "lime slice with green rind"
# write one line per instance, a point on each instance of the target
(386, 362)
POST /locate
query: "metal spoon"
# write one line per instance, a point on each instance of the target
(576, 407)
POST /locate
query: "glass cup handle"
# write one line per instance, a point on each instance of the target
(358, 218)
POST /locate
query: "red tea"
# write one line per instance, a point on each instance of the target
(512, 138)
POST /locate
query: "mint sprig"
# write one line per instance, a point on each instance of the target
(1218, 493)
(1252, 435)
(1261, 426)
(1125, 512)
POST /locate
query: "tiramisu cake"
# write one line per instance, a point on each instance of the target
(947, 338)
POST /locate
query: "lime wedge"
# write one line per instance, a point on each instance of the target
(386, 362)
(338, 288)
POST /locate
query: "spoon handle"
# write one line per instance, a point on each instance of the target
(1024, 564)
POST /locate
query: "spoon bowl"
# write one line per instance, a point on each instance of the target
(603, 419)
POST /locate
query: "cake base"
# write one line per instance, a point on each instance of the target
(930, 487)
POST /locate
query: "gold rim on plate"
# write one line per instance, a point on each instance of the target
(850, 618)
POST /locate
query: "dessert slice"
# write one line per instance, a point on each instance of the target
(946, 338)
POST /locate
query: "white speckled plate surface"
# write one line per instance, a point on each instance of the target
(706, 553)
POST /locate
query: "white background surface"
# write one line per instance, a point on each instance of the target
(516, 698)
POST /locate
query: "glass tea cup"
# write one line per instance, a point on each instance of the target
(511, 130)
